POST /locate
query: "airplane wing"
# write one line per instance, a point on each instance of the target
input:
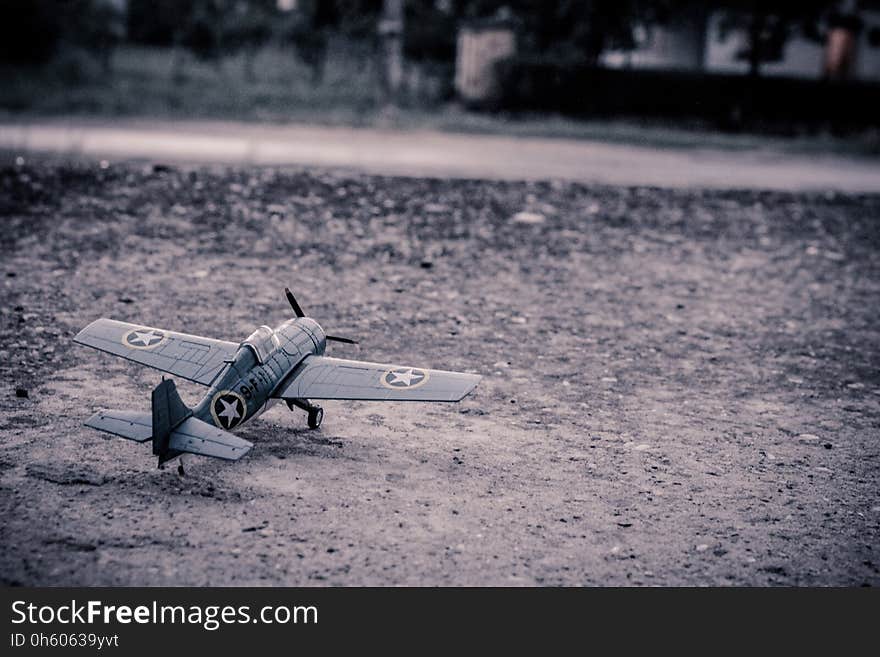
(320, 377)
(188, 356)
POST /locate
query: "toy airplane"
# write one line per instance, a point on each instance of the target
(245, 379)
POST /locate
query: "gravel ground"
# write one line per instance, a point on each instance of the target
(681, 387)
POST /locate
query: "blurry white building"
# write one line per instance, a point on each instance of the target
(695, 43)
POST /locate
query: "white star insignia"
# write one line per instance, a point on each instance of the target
(405, 377)
(145, 337)
(230, 411)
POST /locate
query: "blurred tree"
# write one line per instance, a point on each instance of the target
(769, 24)
(306, 27)
(209, 29)
(29, 31)
(573, 31)
(429, 31)
(390, 30)
(33, 31)
(212, 28)
(355, 19)
(155, 22)
(248, 26)
(192, 24)
(202, 29)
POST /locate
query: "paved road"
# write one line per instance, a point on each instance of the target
(425, 153)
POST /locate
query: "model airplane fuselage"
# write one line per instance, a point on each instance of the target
(244, 379)
(264, 360)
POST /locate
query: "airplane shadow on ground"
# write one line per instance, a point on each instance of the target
(271, 439)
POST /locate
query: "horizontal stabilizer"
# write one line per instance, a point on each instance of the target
(197, 437)
(192, 435)
(127, 424)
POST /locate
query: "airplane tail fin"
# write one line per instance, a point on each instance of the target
(172, 429)
(169, 412)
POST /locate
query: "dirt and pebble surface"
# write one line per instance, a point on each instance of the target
(680, 387)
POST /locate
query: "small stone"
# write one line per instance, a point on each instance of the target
(808, 438)
(855, 386)
(641, 448)
(21, 393)
(702, 547)
(827, 445)
(528, 218)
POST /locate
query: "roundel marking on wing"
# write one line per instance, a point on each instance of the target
(404, 378)
(143, 338)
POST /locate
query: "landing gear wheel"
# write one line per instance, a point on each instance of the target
(316, 414)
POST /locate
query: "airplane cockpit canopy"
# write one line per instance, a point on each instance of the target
(263, 342)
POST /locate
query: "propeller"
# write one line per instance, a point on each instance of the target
(336, 338)
(293, 304)
(298, 311)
